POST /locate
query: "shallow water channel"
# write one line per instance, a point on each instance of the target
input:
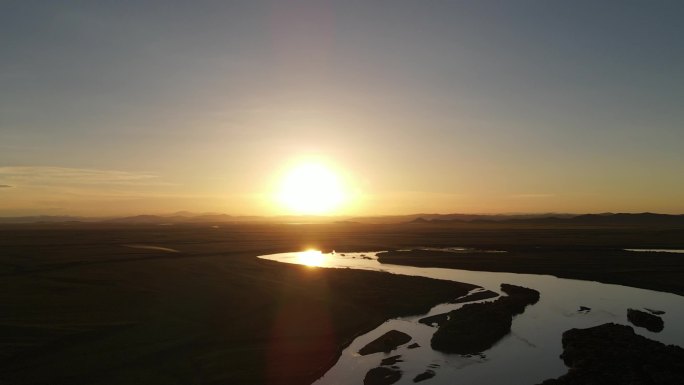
(528, 355)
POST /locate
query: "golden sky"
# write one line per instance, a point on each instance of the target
(475, 107)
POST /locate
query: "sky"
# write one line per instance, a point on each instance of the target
(132, 107)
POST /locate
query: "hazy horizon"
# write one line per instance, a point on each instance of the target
(117, 108)
(428, 215)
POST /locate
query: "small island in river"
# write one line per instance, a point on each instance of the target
(385, 343)
(382, 376)
(612, 354)
(650, 322)
(476, 327)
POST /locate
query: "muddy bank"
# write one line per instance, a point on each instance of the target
(477, 327)
(612, 354)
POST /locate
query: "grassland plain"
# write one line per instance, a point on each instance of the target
(79, 307)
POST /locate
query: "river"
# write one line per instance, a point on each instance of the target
(528, 355)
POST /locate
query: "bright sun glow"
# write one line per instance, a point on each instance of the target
(311, 258)
(311, 188)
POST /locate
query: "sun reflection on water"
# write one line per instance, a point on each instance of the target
(313, 258)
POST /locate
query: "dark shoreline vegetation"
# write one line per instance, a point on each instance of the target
(80, 308)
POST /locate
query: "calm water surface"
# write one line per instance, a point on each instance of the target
(528, 355)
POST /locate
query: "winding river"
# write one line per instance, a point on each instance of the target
(528, 355)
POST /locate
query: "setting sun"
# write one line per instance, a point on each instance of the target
(311, 188)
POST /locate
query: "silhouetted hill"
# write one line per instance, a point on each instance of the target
(46, 219)
(453, 217)
(147, 219)
(420, 220)
(605, 219)
(619, 219)
(550, 219)
(186, 217)
(642, 218)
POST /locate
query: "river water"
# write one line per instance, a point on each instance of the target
(528, 355)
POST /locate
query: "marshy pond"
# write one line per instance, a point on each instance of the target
(528, 355)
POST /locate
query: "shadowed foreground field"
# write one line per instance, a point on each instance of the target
(80, 307)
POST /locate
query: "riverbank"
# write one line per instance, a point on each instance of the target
(647, 270)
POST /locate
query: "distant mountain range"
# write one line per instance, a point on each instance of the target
(457, 217)
(434, 219)
(178, 217)
(46, 219)
(578, 219)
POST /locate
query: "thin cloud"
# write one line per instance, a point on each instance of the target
(64, 175)
(532, 196)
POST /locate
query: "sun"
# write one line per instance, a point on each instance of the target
(311, 258)
(311, 189)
